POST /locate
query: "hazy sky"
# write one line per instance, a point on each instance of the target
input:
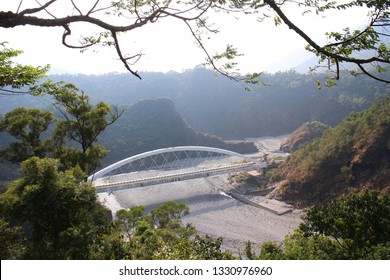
(168, 45)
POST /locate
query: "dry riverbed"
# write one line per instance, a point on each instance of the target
(215, 213)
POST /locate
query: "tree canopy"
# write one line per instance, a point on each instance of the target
(59, 213)
(355, 226)
(365, 47)
(81, 122)
(15, 76)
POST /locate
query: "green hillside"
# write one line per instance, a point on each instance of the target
(221, 107)
(354, 155)
(302, 135)
(153, 124)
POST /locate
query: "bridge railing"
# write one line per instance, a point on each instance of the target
(134, 183)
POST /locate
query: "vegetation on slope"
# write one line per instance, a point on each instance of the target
(352, 156)
(154, 124)
(355, 226)
(222, 107)
(53, 214)
(302, 135)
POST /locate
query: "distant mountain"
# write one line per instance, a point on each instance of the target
(219, 106)
(153, 124)
(354, 155)
(222, 107)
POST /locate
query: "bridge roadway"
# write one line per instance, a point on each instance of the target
(162, 179)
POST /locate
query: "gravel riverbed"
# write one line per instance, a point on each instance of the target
(212, 211)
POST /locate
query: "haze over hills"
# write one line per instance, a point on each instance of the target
(201, 102)
(224, 108)
(221, 107)
(154, 124)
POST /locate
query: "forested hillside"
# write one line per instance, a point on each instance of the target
(219, 106)
(302, 135)
(354, 155)
(224, 108)
(153, 124)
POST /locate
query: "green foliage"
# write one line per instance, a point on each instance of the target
(297, 246)
(365, 46)
(356, 226)
(353, 131)
(158, 235)
(358, 223)
(11, 241)
(26, 125)
(14, 75)
(82, 123)
(229, 55)
(52, 213)
(58, 211)
(168, 212)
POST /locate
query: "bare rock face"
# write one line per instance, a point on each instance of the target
(304, 134)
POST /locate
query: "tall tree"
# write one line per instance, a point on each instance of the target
(81, 122)
(59, 213)
(121, 16)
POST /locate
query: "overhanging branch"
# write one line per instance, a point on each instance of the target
(322, 50)
(122, 58)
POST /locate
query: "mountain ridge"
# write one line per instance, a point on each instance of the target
(352, 156)
(155, 123)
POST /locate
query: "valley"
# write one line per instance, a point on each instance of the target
(213, 211)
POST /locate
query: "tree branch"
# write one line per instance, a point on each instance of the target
(372, 76)
(36, 10)
(74, 6)
(124, 60)
(209, 58)
(12, 92)
(68, 32)
(314, 45)
(20, 5)
(93, 7)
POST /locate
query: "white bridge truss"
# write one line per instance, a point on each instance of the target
(170, 165)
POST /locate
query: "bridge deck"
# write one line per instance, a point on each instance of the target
(102, 186)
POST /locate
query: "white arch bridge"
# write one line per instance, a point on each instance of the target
(170, 165)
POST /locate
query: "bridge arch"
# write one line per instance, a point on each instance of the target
(101, 173)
